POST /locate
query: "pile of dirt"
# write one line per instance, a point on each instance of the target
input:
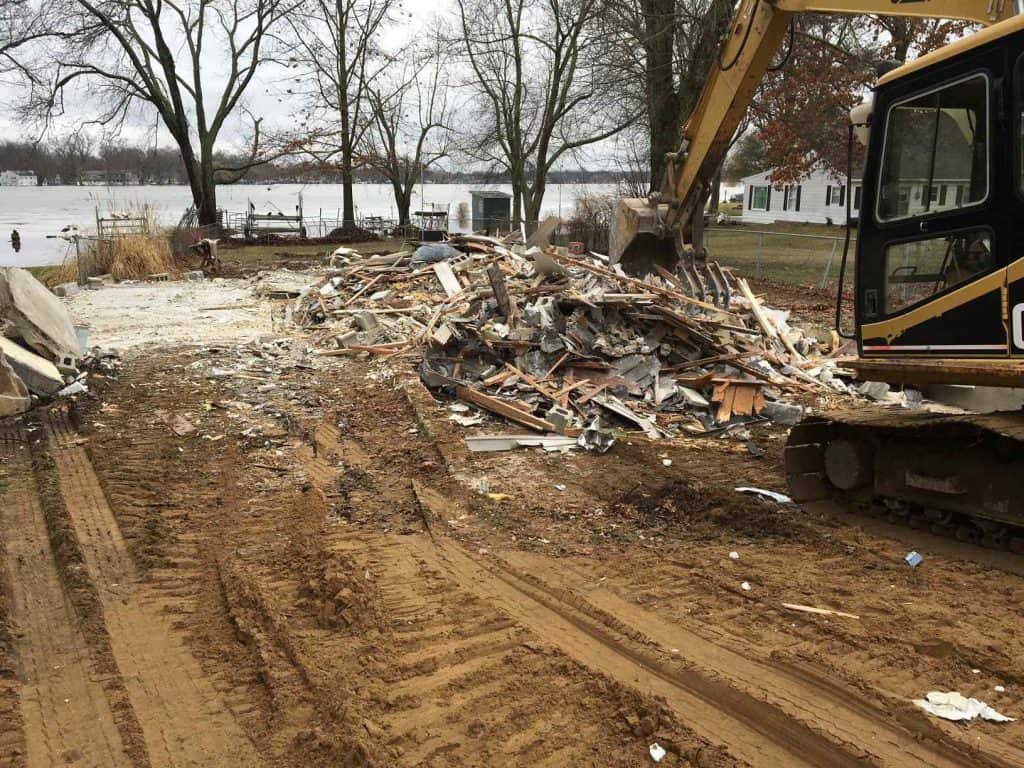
(701, 509)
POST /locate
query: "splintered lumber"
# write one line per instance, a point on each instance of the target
(737, 398)
(446, 276)
(497, 280)
(494, 405)
(818, 611)
(766, 325)
(360, 292)
(541, 389)
(640, 285)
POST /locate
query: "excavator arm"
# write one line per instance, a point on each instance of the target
(668, 224)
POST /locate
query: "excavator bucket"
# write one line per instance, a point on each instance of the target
(636, 237)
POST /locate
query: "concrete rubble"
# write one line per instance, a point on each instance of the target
(14, 397)
(39, 344)
(550, 341)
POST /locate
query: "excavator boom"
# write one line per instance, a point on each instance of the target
(658, 229)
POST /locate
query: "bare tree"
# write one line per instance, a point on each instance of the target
(337, 53)
(164, 53)
(668, 47)
(540, 88)
(410, 130)
(23, 23)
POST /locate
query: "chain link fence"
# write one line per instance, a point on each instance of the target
(785, 257)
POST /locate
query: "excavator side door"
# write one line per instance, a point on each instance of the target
(937, 229)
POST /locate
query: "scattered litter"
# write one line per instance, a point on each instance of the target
(745, 586)
(953, 706)
(495, 443)
(559, 487)
(1000, 689)
(734, 555)
(657, 752)
(779, 498)
(914, 559)
(975, 671)
(667, 462)
(819, 611)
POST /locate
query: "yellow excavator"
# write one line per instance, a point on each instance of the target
(939, 268)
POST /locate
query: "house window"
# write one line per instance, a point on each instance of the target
(858, 191)
(938, 135)
(791, 197)
(759, 198)
(835, 194)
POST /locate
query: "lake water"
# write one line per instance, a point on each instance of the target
(40, 211)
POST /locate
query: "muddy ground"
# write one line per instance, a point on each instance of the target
(301, 565)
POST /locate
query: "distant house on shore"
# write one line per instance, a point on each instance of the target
(109, 178)
(818, 199)
(18, 179)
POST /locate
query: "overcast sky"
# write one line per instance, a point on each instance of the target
(262, 97)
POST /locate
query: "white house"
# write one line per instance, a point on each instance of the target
(818, 199)
(18, 179)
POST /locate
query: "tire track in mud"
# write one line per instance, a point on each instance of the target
(754, 731)
(890, 738)
(65, 710)
(183, 720)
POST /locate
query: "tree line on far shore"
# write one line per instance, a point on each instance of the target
(515, 90)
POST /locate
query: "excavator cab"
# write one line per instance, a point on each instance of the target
(940, 251)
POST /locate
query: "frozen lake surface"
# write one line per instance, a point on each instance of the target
(40, 211)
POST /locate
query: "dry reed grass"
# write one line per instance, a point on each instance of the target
(131, 257)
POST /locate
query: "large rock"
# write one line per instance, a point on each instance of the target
(14, 397)
(37, 316)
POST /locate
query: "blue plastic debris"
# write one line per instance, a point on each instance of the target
(914, 559)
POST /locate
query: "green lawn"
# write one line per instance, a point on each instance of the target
(780, 252)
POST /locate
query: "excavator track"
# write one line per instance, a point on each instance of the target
(953, 474)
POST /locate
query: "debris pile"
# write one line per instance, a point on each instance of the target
(568, 344)
(39, 346)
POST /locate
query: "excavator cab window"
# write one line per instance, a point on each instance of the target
(919, 269)
(935, 157)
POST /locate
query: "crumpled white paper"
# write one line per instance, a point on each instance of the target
(953, 706)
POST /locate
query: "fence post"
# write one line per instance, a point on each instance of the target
(828, 267)
(757, 262)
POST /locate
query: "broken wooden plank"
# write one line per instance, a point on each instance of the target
(502, 408)
(446, 276)
(818, 611)
(766, 325)
(360, 292)
(497, 280)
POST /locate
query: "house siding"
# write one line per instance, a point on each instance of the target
(813, 194)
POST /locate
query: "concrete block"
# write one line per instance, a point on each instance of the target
(67, 290)
(39, 318)
(783, 413)
(560, 418)
(14, 397)
(40, 375)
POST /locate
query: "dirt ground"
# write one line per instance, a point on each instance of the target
(239, 554)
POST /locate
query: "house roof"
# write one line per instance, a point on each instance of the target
(489, 193)
(763, 176)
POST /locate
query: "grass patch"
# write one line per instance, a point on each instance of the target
(778, 253)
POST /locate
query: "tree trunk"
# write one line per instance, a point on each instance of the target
(662, 100)
(348, 215)
(716, 193)
(403, 201)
